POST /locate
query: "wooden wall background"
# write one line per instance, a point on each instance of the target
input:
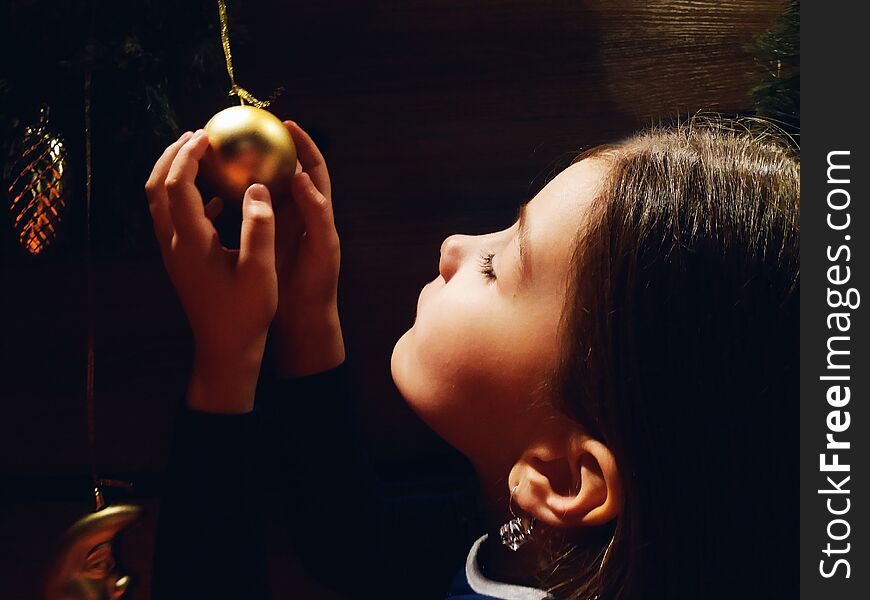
(436, 117)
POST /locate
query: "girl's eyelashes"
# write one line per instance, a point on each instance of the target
(486, 265)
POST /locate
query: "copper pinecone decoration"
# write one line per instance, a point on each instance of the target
(39, 185)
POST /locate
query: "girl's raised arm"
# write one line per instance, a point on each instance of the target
(209, 538)
(307, 330)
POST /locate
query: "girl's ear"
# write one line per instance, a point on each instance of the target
(570, 480)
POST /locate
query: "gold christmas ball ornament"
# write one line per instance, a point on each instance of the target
(247, 145)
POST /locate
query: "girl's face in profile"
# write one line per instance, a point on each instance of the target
(486, 335)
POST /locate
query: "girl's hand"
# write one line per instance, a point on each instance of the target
(229, 296)
(309, 338)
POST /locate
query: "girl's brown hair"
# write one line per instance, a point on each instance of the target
(681, 354)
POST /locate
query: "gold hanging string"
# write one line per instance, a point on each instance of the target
(244, 95)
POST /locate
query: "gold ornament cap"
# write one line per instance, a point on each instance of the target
(248, 145)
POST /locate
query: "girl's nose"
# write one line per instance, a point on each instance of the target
(453, 249)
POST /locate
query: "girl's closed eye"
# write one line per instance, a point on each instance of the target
(486, 265)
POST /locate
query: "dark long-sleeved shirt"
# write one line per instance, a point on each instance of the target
(352, 531)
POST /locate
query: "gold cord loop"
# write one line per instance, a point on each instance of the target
(244, 96)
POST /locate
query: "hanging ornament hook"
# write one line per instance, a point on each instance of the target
(43, 116)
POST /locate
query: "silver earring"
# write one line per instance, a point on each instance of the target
(518, 530)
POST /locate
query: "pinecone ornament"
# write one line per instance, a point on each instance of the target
(39, 185)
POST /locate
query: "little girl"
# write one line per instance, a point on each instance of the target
(619, 366)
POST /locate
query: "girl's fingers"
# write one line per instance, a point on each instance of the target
(257, 247)
(310, 158)
(155, 190)
(213, 208)
(316, 211)
(289, 227)
(185, 201)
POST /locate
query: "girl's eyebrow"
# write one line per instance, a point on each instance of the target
(523, 240)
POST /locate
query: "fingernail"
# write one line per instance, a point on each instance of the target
(259, 192)
(186, 135)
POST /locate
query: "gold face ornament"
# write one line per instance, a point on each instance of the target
(83, 567)
(247, 145)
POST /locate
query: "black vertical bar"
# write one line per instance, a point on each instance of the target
(835, 225)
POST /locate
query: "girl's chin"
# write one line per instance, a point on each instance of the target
(406, 371)
(397, 360)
